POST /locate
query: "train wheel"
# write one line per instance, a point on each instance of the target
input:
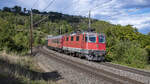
(74, 54)
(81, 56)
(88, 57)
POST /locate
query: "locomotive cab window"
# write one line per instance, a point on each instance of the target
(77, 38)
(92, 38)
(71, 38)
(101, 38)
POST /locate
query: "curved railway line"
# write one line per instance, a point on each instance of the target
(125, 68)
(132, 70)
(96, 72)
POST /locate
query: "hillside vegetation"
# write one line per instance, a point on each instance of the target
(125, 45)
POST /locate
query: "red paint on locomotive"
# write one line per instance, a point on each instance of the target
(91, 45)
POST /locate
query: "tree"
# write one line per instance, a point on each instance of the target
(130, 53)
(24, 10)
(35, 11)
(6, 9)
(149, 33)
(16, 9)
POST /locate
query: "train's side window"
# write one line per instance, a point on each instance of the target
(57, 41)
(67, 38)
(77, 38)
(54, 41)
(85, 39)
(71, 38)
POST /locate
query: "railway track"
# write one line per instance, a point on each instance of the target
(127, 69)
(132, 70)
(97, 73)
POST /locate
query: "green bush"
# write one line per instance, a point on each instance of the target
(129, 53)
(148, 50)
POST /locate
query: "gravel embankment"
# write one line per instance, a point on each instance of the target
(70, 75)
(138, 77)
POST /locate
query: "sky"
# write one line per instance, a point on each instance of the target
(124, 12)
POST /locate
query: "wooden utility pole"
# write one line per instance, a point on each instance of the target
(60, 30)
(31, 28)
(89, 19)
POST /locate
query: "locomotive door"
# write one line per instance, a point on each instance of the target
(83, 42)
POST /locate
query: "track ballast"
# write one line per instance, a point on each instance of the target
(97, 73)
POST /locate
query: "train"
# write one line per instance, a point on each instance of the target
(89, 45)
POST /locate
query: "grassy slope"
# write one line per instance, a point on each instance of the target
(20, 70)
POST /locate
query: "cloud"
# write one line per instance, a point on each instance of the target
(136, 3)
(138, 21)
(125, 12)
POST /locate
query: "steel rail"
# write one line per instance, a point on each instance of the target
(132, 70)
(98, 73)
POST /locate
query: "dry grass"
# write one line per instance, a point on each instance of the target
(147, 67)
(20, 70)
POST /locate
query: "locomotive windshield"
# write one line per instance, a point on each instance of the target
(92, 38)
(101, 38)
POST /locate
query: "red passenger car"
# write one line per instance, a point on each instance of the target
(87, 44)
(55, 42)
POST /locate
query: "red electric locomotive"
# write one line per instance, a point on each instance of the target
(87, 44)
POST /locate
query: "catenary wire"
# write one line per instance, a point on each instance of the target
(35, 3)
(48, 5)
(43, 10)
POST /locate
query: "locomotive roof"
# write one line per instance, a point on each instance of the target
(55, 37)
(72, 34)
(83, 33)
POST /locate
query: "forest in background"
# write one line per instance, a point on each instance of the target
(125, 45)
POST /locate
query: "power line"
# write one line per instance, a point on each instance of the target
(40, 20)
(35, 3)
(48, 5)
(47, 15)
(64, 8)
(31, 25)
(100, 5)
(91, 9)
